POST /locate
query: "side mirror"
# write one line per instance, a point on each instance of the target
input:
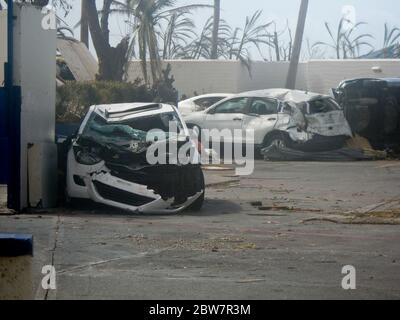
(337, 94)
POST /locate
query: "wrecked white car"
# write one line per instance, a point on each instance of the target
(109, 160)
(282, 117)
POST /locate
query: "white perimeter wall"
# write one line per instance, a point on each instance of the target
(322, 75)
(202, 76)
(266, 75)
(205, 76)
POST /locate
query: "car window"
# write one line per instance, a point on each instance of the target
(205, 103)
(264, 107)
(237, 105)
(322, 106)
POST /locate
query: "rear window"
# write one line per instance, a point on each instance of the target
(322, 106)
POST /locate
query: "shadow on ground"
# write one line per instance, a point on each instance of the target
(86, 207)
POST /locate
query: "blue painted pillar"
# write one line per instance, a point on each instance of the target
(13, 118)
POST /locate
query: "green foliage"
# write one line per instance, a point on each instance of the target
(74, 98)
(391, 37)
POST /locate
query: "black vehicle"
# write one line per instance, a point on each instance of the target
(372, 109)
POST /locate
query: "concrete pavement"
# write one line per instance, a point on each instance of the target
(283, 233)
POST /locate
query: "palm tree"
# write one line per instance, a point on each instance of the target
(391, 36)
(232, 44)
(147, 19)
(343, 43)
(84, 26)
(253, 34)
(200, 47)
(282, 49)
(215, 33)
(353, 45)
(112, 60)
(177, 35)
(337, 40)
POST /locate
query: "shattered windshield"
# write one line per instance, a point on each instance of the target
(137, 129)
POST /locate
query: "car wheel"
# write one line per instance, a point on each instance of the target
(198, 204)
(278, 140)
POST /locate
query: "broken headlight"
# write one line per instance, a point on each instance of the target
(86, 157)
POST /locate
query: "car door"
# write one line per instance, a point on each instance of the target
(261, 117)
(227, 115)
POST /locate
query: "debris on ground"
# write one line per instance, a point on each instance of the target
(382, 213)
(250, 280)
(356, 148)
(361, 143)
(266, 215)
(355, 220)
(217, 168)
(279, 153)
(6, 212)
(275, 207)
(212, 244)
(385, 206)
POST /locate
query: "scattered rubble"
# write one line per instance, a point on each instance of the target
(279, 153)
(384, 213)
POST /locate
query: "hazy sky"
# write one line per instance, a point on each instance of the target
(374, 12)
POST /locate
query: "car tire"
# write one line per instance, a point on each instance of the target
(198, 204)
(277, 139)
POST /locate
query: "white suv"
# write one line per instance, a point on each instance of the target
(276, 116)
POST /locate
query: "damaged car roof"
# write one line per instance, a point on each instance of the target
(295, 96)
(122, 110)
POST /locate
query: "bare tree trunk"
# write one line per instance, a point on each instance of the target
(276, 45)
(112, 60)
(294, 61)
(84, 25)
(217, 16)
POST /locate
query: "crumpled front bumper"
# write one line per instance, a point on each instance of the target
(121, 190)
(109, 190)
